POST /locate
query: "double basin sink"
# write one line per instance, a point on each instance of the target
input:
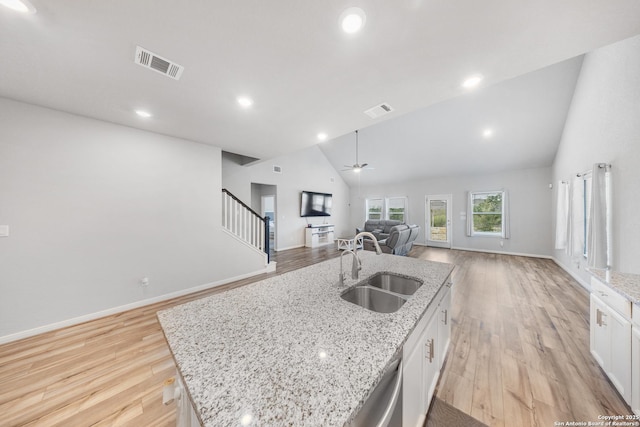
(382, 292)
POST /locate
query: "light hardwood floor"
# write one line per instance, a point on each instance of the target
(519, 353)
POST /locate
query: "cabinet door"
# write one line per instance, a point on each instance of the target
(444, 327)
(431, 359)
(412, 401)
(635, 370)
(600, 340)
(619, 370)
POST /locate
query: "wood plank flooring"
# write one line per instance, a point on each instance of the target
(519, 353)
(520, 344)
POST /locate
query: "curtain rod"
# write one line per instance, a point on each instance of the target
(606, 166)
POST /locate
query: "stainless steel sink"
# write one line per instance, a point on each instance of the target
(374, 299)
(394, 283)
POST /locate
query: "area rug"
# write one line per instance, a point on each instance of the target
(441, 414)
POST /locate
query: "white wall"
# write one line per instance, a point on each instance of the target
(603, 125)
(93, 207)
(529, 204)
(306, 169)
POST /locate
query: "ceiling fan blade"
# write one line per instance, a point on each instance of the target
(364, 165)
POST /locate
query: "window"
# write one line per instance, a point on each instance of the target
(487, 213)
(387, 208)
(375, 208)
(397, 208)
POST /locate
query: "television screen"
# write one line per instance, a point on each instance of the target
(315, 204)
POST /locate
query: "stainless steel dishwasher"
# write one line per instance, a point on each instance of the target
(383, 408)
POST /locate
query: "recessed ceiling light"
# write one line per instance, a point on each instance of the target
(487, 133)
(143, 113)
(352, 20)
(322, 136)
(472, 82)
(23, 6)
(245, 101)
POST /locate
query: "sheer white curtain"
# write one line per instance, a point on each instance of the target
(562, 216)
(469, 213)
(599, 230)
(576, 217)
(506, 228)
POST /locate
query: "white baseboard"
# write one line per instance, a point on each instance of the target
(503, 253)
(108, 312)
(577, 278)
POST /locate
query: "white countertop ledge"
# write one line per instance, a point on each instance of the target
(288, 350)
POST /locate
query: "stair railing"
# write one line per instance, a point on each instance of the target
(245, 223)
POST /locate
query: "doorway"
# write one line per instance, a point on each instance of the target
(263, 201)
(438, 221)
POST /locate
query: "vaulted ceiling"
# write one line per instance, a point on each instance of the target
(306, 76)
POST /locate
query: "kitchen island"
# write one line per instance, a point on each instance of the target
(288, 350)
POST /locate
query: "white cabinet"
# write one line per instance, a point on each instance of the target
(431, 360)
(423, 355)
(600, 339)
(319, 235)
(444, 324)
(635, 361)
(412, 385)
(185, 414)
(611, 336)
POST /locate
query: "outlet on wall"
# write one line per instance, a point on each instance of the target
(144, 281)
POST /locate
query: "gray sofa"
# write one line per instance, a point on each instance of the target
(399, 241)
(381, 228)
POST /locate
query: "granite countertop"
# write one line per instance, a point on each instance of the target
(288, 350)
(626, 284)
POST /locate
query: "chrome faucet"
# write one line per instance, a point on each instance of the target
(354, 267)
(357, 264)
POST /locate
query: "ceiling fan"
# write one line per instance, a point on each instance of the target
(356, 167)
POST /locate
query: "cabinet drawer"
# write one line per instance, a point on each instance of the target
(611, 298)
(635, 314)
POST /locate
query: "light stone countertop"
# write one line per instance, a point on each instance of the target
(288, 350)
(626, 284)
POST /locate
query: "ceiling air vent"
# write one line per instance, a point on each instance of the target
(157, 63)
(379, 110)
(277, 169)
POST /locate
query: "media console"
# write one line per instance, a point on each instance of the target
(319, 235)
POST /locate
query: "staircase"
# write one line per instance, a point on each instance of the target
(245, 223)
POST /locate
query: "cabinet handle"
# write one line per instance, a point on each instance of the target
(446, 317)
(600, 315)
(430, 350)
(603, 294)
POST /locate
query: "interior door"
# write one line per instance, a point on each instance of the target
(438, 224)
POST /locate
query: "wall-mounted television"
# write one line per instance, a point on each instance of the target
(315, 204)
